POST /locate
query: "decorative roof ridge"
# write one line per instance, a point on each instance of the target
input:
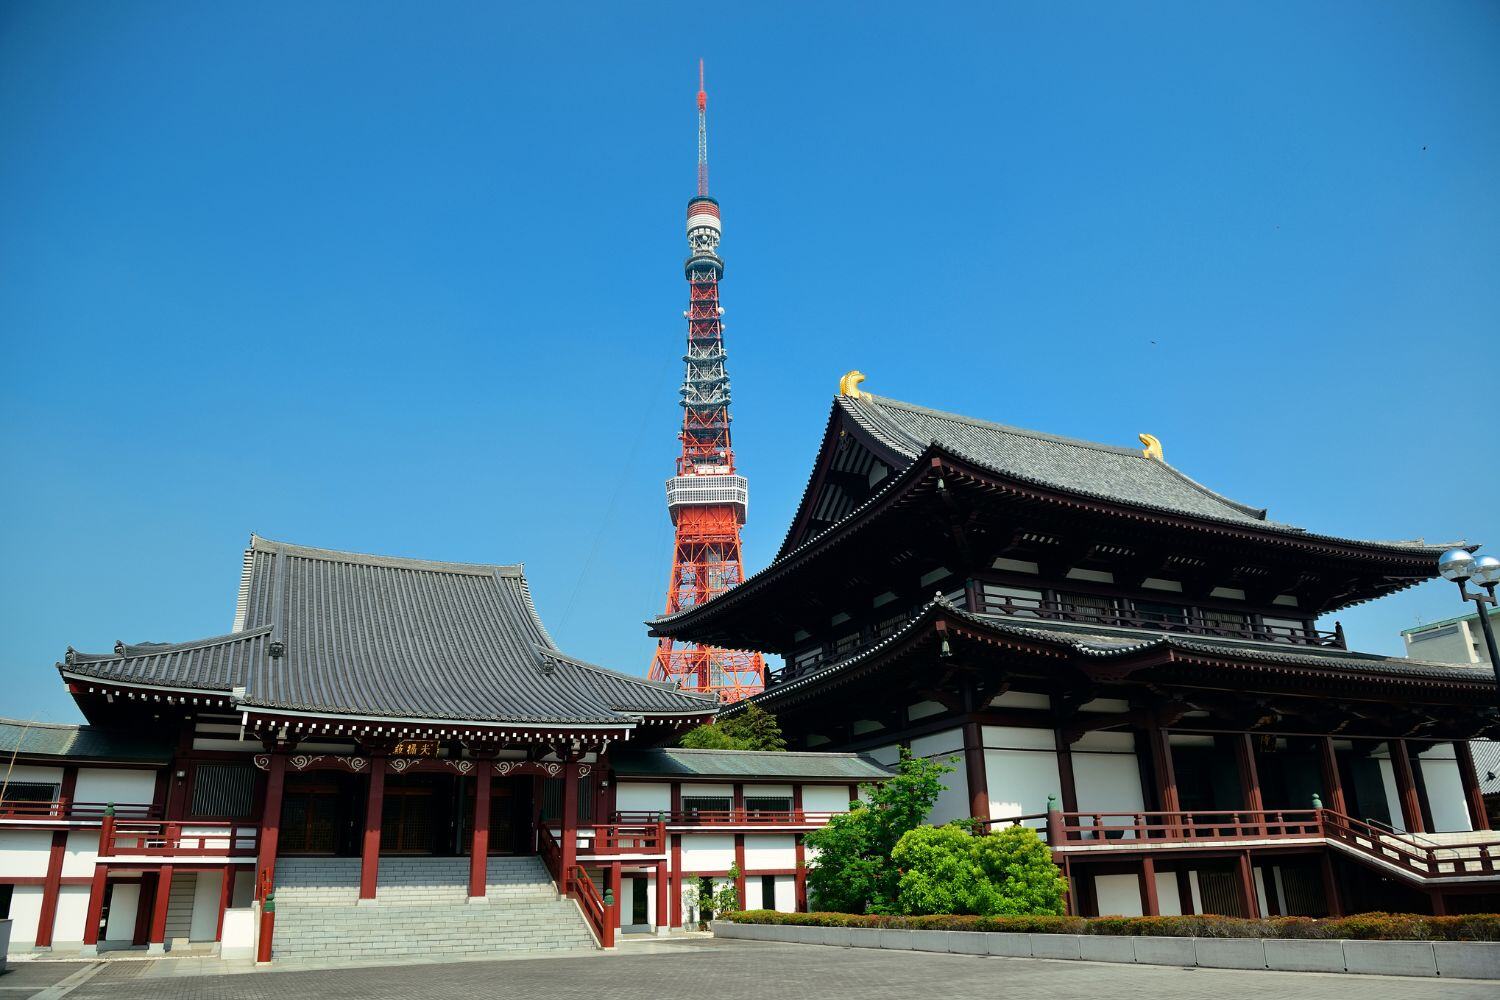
(130, 651)
(509, 570)
(32, 724)
(854, 406)
(646, 682)
(536, 617)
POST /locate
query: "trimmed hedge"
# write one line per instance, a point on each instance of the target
(1360, 927)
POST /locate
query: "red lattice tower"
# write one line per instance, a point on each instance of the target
(707, 499)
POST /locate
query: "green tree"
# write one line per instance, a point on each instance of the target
(947, 869)
(751, 728)
(853, 871)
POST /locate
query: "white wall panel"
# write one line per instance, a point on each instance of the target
(72, 913)
(825, 798)
(35, 772)
(1118, 895)
(25, 906)
(1018, 738)
(1019, 781)
(643, 796)
(124, 898)
(1392, 797)
(768, 790)
(946, 742)
(786, 893)
(693, 788)
(1107, 780)
(24, 852)
(1168, 900)
(770, 850)
(1445, 789)
(82, 851)
(205, 923)
(707, 852)
(104, 784)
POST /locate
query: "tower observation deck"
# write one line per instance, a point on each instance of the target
(707, 499)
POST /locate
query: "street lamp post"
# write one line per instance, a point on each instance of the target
(1460, 566)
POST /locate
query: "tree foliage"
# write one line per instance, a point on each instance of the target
(751, 728)
(1008, 872)
(853, 871)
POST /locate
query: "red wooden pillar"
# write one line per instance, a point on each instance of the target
(1406, 787)
(479, 850)
(1065, 779)
(226, 894)
(1479, 819)
(676, 873)
(156, 940)
(1244, 758)
(1330, 885)
(612, 899)
(1333, 785)
(1184, 892)
(1247, 886)
(569, 839)
(739, 847)
(663, 890)
(95, 911)
(1166, 777)
(853, 793)
(799, 893)
(270, 826)
(974, 772)
(51, 886)
(1439, 904)
(369, 849)
(1149, 903)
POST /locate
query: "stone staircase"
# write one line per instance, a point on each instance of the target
(421, 909)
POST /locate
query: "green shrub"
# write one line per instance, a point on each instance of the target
(947, 870)
(1363, 926)
(853, 871)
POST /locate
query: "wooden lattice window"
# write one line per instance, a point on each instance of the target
(223, 790)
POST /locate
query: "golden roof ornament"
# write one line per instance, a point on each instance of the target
(849, 384)
(1153, 447)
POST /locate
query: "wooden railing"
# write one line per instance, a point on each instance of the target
(548, 849)
(1066, 611)
(157, 838)
(624, 838)
(1068, 828)
(729, 817)
(582, 888)
(1411, 853)
(70, 809)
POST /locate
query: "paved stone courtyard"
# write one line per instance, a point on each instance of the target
(738, 970)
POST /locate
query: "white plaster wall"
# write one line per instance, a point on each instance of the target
(105, 784)
(707, 852)
(205, 922)
(693, 788)
(1445, 789)
(886, 755)
(25, 907)
(34, 772)
(81, 853)
(786, 893)
(825, 798)
(244, 889)
(1168, 901)
(1392, 797)
(124, 899)
(768, 790)
(753, 896)
(949, 741)
(1260, 892)
(1197, 894)
(1019, 781)
(627, 899)
(1118, 895)
(770, 850)
(72, 913)
(24, 852)
(1107, 775)
(1017, 738)
(643, 796)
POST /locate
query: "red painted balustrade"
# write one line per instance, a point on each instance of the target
(159, 838)
(73, 810)
(729, 817)
(582, 888)
(1414, 853)
(1065, 829)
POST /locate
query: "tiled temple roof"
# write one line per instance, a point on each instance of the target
(345, 634)
(765, 765)
(74, 743)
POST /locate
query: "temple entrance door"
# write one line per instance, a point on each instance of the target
(510, 816)
(415, 814)
(314, 817)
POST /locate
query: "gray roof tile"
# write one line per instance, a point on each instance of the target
(767, 764)
(51, 739)
(373, 636)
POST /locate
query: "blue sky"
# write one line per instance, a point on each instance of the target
(407, 278)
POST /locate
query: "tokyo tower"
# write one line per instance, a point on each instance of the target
(706, 499)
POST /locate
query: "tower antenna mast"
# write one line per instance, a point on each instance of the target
(707, 498)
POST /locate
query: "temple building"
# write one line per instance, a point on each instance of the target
(377, 745)
(1124, 658)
